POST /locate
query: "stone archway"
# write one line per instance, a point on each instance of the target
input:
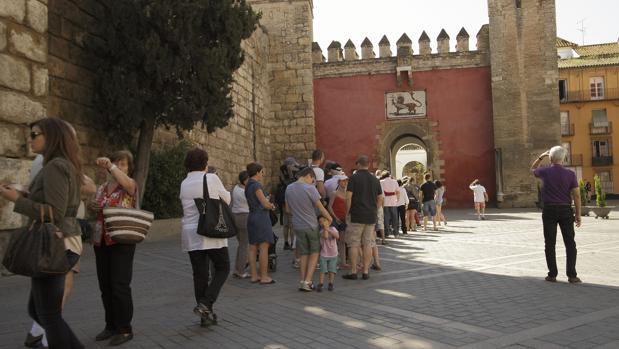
(406, 150)
(398, 134)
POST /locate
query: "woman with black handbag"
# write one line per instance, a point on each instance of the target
(203, 250)
(115, 260)
(57, 186)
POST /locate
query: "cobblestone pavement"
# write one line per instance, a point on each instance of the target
(472, 284)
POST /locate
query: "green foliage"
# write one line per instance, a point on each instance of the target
(167, 171)
(168, 61)
(583, 192)
(600, 195)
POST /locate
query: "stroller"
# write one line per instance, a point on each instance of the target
(272, 254)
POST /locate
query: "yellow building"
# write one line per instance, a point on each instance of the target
(589, 97)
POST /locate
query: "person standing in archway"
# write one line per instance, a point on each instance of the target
(428, 205)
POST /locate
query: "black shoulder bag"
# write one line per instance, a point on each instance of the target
(39, 250)
(215, 216)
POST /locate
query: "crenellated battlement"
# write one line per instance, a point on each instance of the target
(347, 62)
(404, 47)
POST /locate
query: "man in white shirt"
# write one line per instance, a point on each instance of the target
(480, 197)
(390, 209)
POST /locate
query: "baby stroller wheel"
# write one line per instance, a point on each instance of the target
(273, 265)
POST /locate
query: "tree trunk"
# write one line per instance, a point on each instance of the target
(147, 133)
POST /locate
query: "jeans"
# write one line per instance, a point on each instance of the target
(402, 214)
(45, 307)
(564, 216)
(206, 293)
(115, 270)
(391, 220)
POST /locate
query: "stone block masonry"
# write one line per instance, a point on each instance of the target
(23, 90)
(525, 102)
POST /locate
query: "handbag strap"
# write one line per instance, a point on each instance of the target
(50, 212)
(205, 192)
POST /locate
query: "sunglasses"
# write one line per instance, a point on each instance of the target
(34, 135)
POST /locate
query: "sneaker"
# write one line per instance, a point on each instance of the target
(376, 267)
(201, 310)
(120, 339)
(365, 276)
(241, 276)
(350, 276)
(551, 278)
(103, 335)
(296, 264)
(483, 218)
(305, 287)
(319, 288)
(330, 288)
(574, 280)
(35, 341)
(210, 319)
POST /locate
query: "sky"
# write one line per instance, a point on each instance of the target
(355, 19)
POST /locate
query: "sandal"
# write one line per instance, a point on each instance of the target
(267, 283)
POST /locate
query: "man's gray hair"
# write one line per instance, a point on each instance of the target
(557, 154)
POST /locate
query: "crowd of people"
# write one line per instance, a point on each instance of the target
(331, 221)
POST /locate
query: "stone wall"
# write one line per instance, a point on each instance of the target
(524, 92)
(23, 90)
(288, 24)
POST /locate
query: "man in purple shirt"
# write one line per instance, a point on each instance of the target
(559, 187)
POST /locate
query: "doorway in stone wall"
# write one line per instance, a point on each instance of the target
(409, 157)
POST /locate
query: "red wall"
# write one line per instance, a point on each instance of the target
(348, 111)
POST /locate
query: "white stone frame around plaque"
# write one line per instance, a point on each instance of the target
(405, 104)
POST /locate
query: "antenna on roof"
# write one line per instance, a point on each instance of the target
(582, 29)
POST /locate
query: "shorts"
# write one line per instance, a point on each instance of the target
(308, 241)
(380, 220)
(328, 265)
(429, 208)
(74, 244)
(356, 233)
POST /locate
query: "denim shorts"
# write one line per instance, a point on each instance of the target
(429, 208)
(328, 265)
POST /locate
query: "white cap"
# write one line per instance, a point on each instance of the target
(341, 177)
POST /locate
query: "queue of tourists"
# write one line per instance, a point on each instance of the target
(331, 222)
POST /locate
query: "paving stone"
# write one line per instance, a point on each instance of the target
(463, 291)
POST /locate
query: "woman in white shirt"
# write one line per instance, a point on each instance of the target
(203, 250)
(240, 211)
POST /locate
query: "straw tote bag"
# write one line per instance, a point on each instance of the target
(127, 225)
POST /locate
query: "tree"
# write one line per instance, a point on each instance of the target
(167, 63)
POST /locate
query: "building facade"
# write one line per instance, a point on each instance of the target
(483, 113)
(589, 97)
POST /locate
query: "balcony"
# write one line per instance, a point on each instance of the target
(573, 160)
(585, 95)
(602, 160)
(567, 130)
(603, 130)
